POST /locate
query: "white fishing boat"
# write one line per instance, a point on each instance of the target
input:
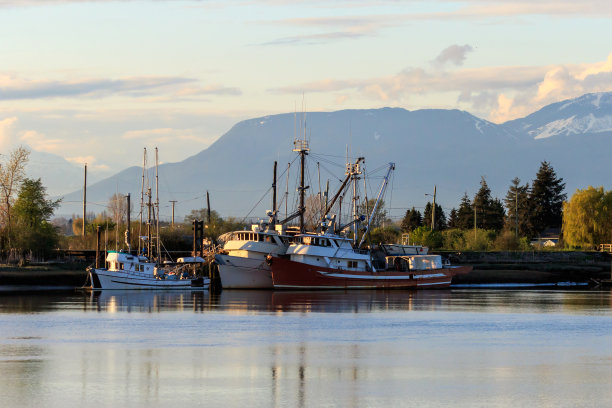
(125, 270)
(243, 265)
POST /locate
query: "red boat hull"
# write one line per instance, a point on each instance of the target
(287, 274)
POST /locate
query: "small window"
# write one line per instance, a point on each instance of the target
(352, 264)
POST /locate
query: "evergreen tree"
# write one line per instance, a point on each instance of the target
(32, 212)
(465, 214)
(517, 203)
(411, 220)
(440, 221)
(453, 219)
(546, 199)
(496, 215)
(489, 212)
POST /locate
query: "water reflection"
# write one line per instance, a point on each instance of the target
(365, 301)
(273, 349)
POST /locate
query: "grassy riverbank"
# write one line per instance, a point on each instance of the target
(56, 275)
(533, 267)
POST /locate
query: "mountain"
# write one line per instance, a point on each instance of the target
(57, 174)
(589, 114)
(451, 149)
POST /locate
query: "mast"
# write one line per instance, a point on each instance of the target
(320, 197)
(149, 232)
(301, 146)
(274, 194)
(156, 213)
(144, 165)
(337, 195)
(84, 200)
(383, 187)
(128, 236)
(354, 171)
(287, 192)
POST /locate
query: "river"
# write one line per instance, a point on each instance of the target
(455, 348)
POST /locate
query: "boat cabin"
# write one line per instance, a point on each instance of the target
(122, 261)
(413, 262)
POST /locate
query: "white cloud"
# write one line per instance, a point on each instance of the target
(497, 93)
(455, 54)
(7, 135)
(39, 141)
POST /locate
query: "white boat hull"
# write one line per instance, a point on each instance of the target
(121, 280)
(243, 273)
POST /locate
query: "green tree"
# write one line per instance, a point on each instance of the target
(426, 237)
(465, 214)
(489, 211)
(546, 199)
(453, 219)
(217, 224)
(517, 207)
(440, 221)
(32, 211)
(380, 217)
(411, 220)
(587, 218)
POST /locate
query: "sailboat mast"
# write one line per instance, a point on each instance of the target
(157, 208)
(144, 166)
(274, 194)
(149, 205)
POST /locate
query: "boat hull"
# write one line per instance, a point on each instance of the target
(122, 280)
(243, 273)
(287, 274)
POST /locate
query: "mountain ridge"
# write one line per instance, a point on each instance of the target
(449, 148)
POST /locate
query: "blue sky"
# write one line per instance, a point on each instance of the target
(95, 81)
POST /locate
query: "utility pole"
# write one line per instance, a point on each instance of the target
(474, 221)
(84, 199)
(433, 211)
(516, 212)
(208, 207)
(173, 202)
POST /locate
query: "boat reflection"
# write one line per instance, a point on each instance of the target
(245, 301)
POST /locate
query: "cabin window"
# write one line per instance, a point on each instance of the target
(120, 266)
(352, 264)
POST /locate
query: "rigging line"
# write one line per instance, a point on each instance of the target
(332, 174)
(255, 206)
(323, 159)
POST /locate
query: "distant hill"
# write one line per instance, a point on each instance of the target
(449, 148)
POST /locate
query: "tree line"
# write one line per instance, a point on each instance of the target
(482, 222)
(525, 213)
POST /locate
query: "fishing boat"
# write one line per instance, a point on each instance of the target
(242, 265)
(125, 270)
(329, 260)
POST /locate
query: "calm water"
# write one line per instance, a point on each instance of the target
(455, 348)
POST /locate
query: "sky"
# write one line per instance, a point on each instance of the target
(96, 81)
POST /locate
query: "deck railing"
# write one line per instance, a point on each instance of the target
(605, 247)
